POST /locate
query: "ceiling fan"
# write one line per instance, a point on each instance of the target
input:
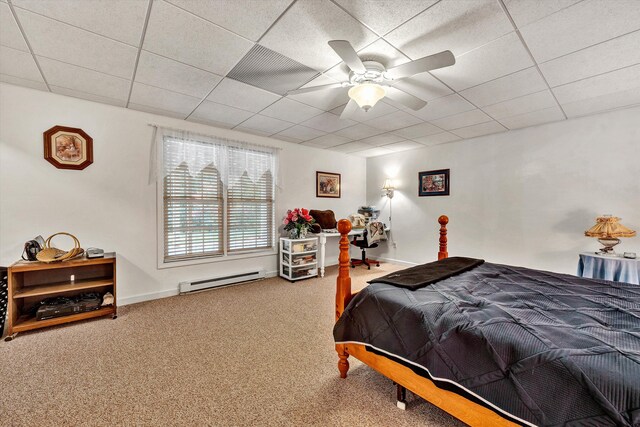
(370, 81)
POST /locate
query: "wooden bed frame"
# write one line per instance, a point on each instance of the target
(456, 405)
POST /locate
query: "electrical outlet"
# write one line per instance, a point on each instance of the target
(395, 245)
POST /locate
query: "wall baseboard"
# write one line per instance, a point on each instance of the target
(164, 294)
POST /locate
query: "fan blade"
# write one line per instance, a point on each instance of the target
(402, 97)
(314, 88)
(349, 110)
(348, 54)
(431, 62)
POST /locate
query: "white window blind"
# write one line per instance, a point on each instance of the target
(223, 207)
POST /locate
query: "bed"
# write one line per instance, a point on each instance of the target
(497, 345)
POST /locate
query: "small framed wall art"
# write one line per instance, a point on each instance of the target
(433, 183)
(328, 184)
(68, 148)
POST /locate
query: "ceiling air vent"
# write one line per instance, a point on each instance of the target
(269, 70)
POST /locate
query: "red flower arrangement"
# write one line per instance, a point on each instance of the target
(299, 220)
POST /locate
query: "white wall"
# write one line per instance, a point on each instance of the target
(111, 204)
(523, 197)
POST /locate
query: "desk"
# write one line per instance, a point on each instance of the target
(614, 268)
(322, 239)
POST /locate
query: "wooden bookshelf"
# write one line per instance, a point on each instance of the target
(32, 282)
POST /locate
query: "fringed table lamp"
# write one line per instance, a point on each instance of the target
(607, 230)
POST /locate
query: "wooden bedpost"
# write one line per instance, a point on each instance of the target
(443, 220)
(343, 289)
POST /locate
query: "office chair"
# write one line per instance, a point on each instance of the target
(363, 244)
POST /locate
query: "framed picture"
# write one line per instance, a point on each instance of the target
(433, 183)
(328, 184)
(68, 148)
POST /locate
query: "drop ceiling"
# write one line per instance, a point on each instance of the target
(225, 63)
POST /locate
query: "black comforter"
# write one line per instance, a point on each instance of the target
(548, 348)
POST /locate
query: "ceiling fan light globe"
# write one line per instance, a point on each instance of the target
(367, 95)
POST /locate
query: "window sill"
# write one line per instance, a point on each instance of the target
(257, 254)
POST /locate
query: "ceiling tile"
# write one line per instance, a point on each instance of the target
(88, 96)
(326, 99)
(20, 64)
(252, 131)
(384, 16)
(358, 131)
(23, 82)
(118, 19)
(458, 26)
(290, 110)
(479, 130)
(327, 141)
(373, 152)
(438, 138)
(604, 57)
(418, 131)
(495, 59)
(152, 110)
(524, 104)
(219, 115)
(286, 138)
(393, 121)
(241, 95)
(163, 99)
(615, 81)
(603, 103)
(249, 18)
(204, 45)
(301, 133)
(10, 34)
(525, 12)
(328, 122)
(403, 146)
(424, 86)
(508, 87)
(533, 118)
(84, 80)
(583, 24)
(304, 30)
(72, 45)
(467, 118)
(168, 74)
(443, 107)
(351, 147)
(265, 124)
(378, 140)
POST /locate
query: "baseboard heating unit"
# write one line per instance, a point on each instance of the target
(215, 282)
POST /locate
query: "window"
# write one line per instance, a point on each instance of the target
(217, 199)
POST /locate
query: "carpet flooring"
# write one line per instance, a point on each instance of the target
(259, 354)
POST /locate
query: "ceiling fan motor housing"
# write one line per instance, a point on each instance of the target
(375, 74)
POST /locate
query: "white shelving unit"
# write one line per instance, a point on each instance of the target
(298, 258)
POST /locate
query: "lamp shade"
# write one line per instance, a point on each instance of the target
(367, 95)
(388, 184)
(607, 226)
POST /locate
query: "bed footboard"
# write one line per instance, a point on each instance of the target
(343, 283)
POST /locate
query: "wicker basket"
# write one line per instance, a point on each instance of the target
(50, 254)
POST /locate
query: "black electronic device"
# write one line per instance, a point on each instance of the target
(63, 306)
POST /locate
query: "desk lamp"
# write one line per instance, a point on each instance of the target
(607, 230)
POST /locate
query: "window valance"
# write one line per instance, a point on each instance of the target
(232, 158)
